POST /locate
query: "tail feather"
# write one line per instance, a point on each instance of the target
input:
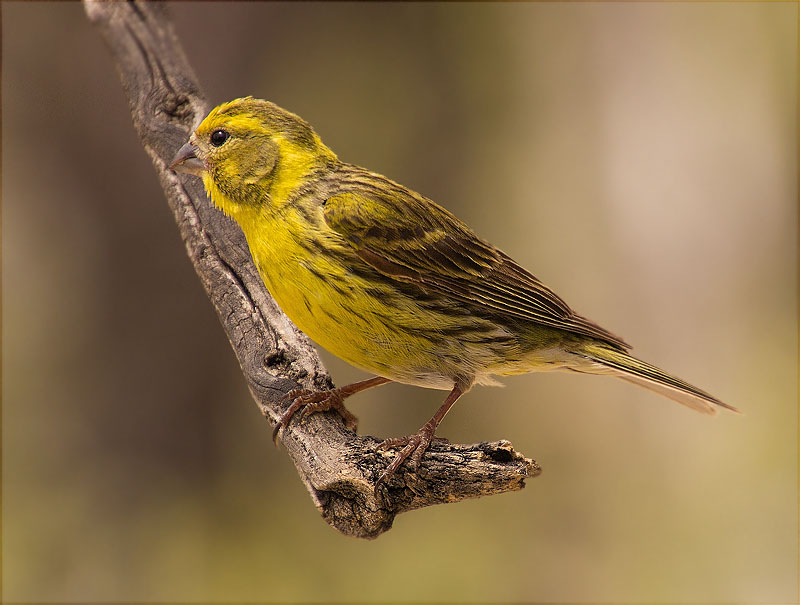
(620, 364)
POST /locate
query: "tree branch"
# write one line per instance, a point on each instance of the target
(338, 467)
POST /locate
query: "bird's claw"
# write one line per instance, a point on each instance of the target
(312, 402)
(414, 447)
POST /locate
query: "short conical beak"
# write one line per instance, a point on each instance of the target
(186, 161)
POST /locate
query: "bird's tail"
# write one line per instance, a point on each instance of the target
(605, 360)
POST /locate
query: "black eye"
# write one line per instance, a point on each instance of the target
(218, 137)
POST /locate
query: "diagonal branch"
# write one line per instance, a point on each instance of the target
(338, 467)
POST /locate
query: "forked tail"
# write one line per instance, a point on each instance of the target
(605, 360)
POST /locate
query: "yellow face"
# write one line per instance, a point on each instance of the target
(248, 152)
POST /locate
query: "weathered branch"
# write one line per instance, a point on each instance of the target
(338, 467)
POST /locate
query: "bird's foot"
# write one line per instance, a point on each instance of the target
(320, 401)
(414, 446)
(312, 402)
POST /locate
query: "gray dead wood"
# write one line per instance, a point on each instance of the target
(338, 467)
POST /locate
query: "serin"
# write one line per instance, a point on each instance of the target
(386, 279)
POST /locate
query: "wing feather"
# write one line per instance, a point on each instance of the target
(410, 238)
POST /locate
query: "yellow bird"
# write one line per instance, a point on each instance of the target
(386, 279)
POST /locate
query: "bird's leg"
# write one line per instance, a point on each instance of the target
(320, 401)
(416, 444)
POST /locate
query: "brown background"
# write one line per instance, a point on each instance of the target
(639, 158)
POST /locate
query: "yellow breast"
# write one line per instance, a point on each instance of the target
(305, 268)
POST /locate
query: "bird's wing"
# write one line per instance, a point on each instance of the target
(410, 238)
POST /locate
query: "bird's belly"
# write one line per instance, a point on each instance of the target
(384, 335)
(372, 326)
(368, 322)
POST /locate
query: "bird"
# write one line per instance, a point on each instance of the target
(388, 280)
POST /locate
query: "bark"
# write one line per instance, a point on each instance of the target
(338, 467)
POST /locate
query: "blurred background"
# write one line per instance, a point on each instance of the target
(640, 159)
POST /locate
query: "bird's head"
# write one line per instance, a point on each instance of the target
(251, 152)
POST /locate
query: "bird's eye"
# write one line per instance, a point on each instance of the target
(218, 137)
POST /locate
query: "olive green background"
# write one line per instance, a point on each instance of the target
(638, 158)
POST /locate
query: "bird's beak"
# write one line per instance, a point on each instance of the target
(186, 161)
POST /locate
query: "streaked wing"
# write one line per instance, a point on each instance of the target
(410, 238)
